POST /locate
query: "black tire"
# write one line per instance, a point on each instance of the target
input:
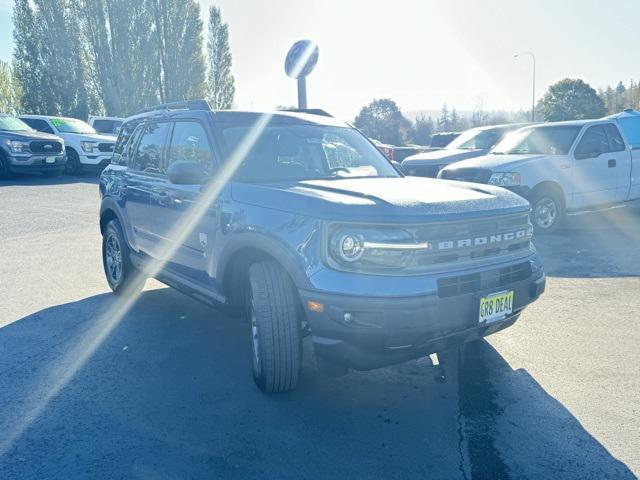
(274, 328)
(547, 211)
(128, 279)
(72, 166)
(4, 167)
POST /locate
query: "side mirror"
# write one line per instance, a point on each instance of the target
(186, 173)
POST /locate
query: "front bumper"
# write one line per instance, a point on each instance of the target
(95, 162)
(366, 332)
(35, 163)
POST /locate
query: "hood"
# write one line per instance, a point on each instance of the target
(439, 157)
(27, 136)
(386, 200)
(495, 162)
(93, 137)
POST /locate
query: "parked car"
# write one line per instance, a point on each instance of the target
(23, 149)
(85, 149)
(561, 168)
(442, 139)
(311, 233)
(470, 144)
(395, 153)
(105, 125)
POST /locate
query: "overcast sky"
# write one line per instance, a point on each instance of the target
(421, 53)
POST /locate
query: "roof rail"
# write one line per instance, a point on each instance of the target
(311, 111)
(200, 104)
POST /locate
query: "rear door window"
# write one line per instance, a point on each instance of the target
(615, 139)
(593, 143)
(148, 153)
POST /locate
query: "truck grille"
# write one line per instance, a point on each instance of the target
(42, 146)
(106, 147)
(468, 241)
(502, 277)
(476, 175)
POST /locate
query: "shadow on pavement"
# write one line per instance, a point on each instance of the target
(168, 394)
(594, 245)
(38, 179)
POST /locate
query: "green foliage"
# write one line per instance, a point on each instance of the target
(383, 120)
(570, 99)
(220, 82)
(9, 90)
(623, 96)
(422, 131)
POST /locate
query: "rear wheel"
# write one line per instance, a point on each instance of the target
(547, 211)
(121, 275)
(72, 166)
(274, 327)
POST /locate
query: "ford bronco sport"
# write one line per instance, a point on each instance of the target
(313, 233)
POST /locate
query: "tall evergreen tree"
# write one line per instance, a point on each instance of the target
(220, 81)
(444, 122)
(9, 89)
(27, 37)
(178, 29)
(119, 35)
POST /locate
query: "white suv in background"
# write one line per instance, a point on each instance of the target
(85, 149)
(106, 125)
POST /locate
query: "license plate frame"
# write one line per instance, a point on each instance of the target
(496, 306)
(49, 160)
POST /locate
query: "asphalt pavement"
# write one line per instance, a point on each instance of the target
(165, 392)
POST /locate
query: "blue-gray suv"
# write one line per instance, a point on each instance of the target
(298, 223)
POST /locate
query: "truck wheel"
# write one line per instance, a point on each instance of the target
(547, 211)
(4, 167)
(121, 275)
(72, 166)
(274, 328)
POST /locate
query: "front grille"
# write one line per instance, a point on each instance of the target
(430, 171)
(476, 175)
(106, 147)
(41, 146)
(491, 279)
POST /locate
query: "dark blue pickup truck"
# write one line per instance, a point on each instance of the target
(298, 222)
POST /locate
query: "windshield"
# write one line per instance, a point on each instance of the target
(72, 125)
(543, 140)
(476, 140)
(13, 124)
(305, 152)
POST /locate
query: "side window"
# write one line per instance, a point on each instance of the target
(148, 154)
(594, 142)
(189, 143)
(615, 139)
(38, 124)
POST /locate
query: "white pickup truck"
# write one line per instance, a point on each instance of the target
(563, 167)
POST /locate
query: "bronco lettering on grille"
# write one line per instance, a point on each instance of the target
(486, 240)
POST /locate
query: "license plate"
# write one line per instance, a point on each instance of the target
(50, 159)
(496, 306)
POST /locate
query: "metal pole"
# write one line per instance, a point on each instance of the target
(302, 93)
(533, 96)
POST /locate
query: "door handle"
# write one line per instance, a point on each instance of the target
(612, 163)
(162, 197)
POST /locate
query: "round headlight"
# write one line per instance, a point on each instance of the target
(350, 248)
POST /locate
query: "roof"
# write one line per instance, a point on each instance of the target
(568, 123)
(279, 117)
(46, 116)
(627, 113)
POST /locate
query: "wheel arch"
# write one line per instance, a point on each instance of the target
(234, 264)
(549, 186)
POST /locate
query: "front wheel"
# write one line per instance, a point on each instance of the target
(547, 212)
(121, 275)
(72, 166)
(274, 327)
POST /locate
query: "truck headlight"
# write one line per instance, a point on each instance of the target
(505, 179)
(89, 147)
(370, 248)
(16, 146)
